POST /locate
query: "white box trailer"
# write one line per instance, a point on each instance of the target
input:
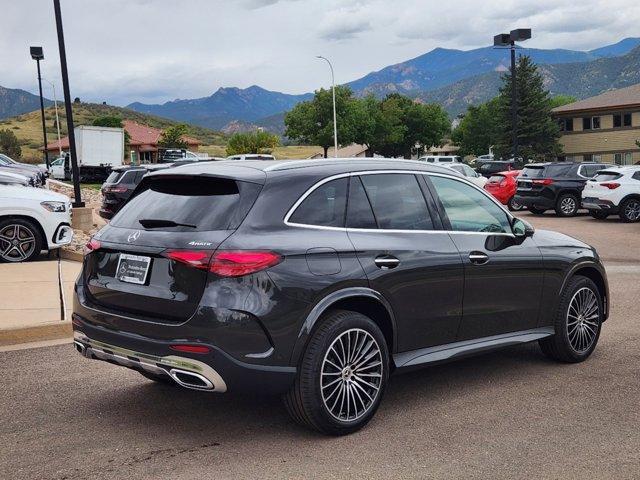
(99, 149)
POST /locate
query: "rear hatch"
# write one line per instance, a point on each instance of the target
(142, 263)
(495, 182)
(601, 185)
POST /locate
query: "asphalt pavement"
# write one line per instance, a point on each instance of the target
(507, 414)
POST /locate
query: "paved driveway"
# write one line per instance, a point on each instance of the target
(508, 414)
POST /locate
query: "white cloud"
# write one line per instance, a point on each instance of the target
(126, 50)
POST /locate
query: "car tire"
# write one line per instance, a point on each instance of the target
(20, 240)
(630, 210)
(577, 324)
(567, 205)
(537, 211)
(513, 205)
(599, 214)
(328, 359)
(163, 379)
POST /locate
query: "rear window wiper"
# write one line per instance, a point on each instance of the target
(159, 223)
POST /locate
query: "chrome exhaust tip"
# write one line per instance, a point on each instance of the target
(192, 380)
(79, 347)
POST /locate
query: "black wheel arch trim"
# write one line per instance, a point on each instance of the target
(330, 300)
(576, 267)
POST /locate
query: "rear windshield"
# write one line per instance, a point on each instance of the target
(495, 178)
(550, 171)
(606, 176)
(115, 176)
(198, 204)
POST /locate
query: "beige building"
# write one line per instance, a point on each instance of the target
(602, 128)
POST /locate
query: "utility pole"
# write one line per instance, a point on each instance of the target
(67, 105)
(37, 54)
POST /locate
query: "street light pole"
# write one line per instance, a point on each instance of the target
(67, 105)
(55, 105)
(37, 54)
(333, 92)
(509, 40)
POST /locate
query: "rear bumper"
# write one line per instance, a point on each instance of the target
(218, 368)
(535, 201)
(591, 203)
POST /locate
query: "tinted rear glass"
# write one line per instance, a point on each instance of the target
(397, 201)
(207, 203)
(495, 178)
(325, 206)
(606, 176)
(113, 177)
(533, 172)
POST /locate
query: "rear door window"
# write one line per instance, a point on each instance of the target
(325, 206)
(359, 212)
(193, 204)
(397, 202)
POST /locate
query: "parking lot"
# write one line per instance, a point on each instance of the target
(509, 414)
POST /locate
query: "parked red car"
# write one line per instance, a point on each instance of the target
(503, 186)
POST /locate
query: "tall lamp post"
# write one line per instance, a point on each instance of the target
(509, 40)
(67, 105)
(55, 106)
(333, 91)
(37, 54)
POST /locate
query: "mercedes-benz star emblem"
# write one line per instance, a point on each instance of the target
(133, 236)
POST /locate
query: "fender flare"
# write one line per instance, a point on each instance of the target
(590, 264)
(331, 299)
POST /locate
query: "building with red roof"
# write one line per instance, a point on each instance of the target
(143, 142)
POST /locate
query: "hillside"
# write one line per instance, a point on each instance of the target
(28, 129)
(14, 101)
(581, 79)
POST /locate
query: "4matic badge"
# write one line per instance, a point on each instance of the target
(200, 244)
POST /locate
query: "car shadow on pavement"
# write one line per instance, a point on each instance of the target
(221, 417)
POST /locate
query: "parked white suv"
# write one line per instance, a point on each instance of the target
(471, 175)
(614, 190)
(32, 220)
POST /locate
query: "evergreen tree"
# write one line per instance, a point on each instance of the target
(538, 133)
(479, 130)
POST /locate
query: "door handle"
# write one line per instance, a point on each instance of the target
(478, 258)
(386, 262)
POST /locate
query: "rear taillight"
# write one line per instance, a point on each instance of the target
(544, 181)
(91, 246)
(239, 263)
(610, 185)
(196, 258)
(114, 189)
(226, 263)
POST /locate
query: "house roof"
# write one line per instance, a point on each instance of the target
(139, 136)
(620, 98)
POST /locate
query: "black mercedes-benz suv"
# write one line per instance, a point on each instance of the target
(318, 279)
(555, 186)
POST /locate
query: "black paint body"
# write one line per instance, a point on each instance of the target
(258, 325)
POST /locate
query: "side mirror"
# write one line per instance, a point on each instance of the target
(521, 229)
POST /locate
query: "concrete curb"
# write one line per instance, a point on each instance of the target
(46, 331)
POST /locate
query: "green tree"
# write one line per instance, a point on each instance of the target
(560, 100)
(479, 129)
(257, 141)
(9, 144)
(173, 137)
(311, 122)
(538, 133)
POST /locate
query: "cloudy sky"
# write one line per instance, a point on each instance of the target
(121, 51)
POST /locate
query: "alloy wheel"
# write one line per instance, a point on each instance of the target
(351, 375)
(17, 243)
(568, 205)
(632, 210)
(583, 318)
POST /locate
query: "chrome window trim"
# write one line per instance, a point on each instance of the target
(318, 184)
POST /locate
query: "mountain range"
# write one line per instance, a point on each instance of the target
(453, 78)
